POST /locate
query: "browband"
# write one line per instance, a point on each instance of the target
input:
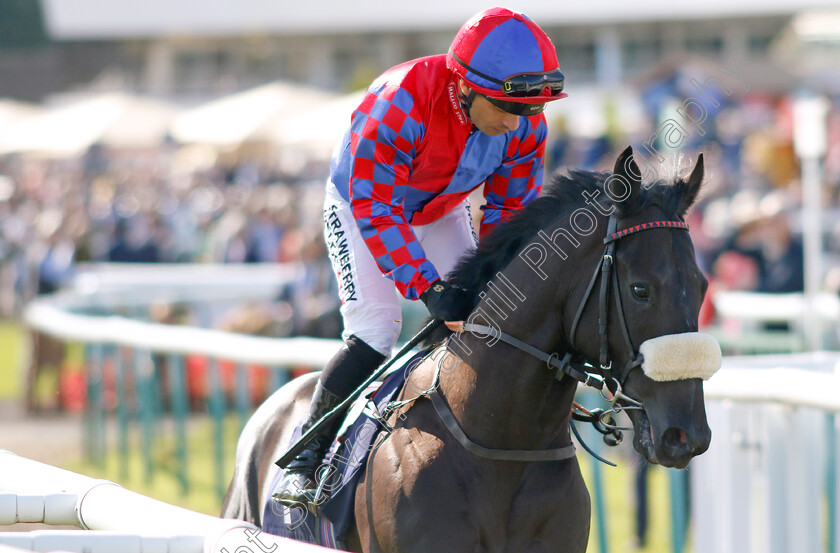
(645, 226)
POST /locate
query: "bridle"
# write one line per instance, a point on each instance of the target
(581, 370)
(607, 277)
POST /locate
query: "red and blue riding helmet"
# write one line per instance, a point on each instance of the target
(506, 57)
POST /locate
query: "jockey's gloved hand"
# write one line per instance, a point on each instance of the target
(448, 302)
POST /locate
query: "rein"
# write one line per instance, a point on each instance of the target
(435, 394)
(578, 371)
(582, 372)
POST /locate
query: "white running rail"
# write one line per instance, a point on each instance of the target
(44, 316)
(117, 520)
(772, 467)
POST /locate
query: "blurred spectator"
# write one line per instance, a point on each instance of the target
(56, 266)
(558, 146)
(781, 265)
(735, 271)
(265, 236)
(597, 150)
(763, 255)
(54, 271)
(133, 242)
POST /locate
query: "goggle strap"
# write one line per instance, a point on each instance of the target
(475, 71)
(503, 84)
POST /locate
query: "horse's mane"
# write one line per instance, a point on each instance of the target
(564, 194)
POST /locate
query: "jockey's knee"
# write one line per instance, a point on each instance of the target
(383, 342)
(378, 326)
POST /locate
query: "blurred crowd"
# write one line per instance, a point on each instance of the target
(177, 205)
(747, 224)
(158, 207)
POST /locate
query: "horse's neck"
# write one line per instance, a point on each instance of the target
(506, 399)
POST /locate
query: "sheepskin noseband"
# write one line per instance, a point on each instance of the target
(681, 356)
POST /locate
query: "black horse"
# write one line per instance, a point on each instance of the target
(482, 459)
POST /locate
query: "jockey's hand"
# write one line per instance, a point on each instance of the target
(448, 302)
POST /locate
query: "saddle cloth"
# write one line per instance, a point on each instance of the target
(338, 476)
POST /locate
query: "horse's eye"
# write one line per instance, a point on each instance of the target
(641, 291)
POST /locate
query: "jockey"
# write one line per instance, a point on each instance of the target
(427, 133)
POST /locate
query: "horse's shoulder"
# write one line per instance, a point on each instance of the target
(419, 379)
(425, 375)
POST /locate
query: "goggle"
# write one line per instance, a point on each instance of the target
(516, 108)
(524, 85)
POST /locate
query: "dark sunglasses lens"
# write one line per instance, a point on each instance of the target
(530, 84)
(516, 108)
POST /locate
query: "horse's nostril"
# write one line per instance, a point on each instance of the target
(675, 440)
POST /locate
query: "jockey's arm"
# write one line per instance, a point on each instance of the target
(382, 162)
(518, 180)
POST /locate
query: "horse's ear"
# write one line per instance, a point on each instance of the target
(626, 181)
(692, 188)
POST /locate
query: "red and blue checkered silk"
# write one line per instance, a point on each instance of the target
(411, 156)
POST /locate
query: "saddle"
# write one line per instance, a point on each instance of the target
(343, 466)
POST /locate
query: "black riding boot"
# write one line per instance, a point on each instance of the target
(299, 485)
(344, 373)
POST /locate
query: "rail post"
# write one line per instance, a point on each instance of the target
(179, 405)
